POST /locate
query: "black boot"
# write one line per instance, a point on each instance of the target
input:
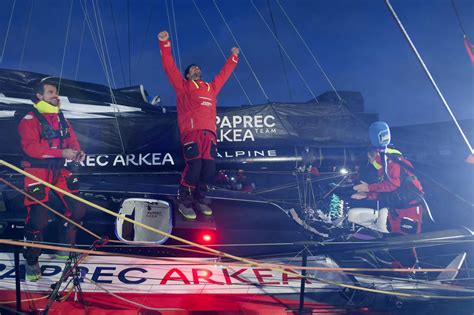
(67, 236)
(202, 203)
(185, 202)
(31, 254)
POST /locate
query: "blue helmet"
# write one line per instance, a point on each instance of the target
(379, 134)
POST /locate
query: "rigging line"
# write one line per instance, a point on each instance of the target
(446, 189)
(91, 30)
(65, 46)
(170, 28)
(241, 259)
(242, 52)
(112, 213)
(49, 208)
(122, 244)
(128, 36)
(300, 198)
(425, 283)
(104, 66)
(295, 202)
(292, 185)
(311, 189)
(101, 46)
(309, 50)
(325, 244)
(176, 35)
(290, 261)
(312, 194)
(277, 266)
(146, 34)
(26, 35)
(284, 51)
(222, 51)
(336, 186)
(251, 282)
(429, 75)
(458, 16)
(8, 31)
(117, 42)
(22, 301)
(354, 286)
(279, 51)
(291, 172)
(106, 45)
(173, 261)
(340, 284)
(102, 51)
(305, 191)
(80, 48)
(389, 292)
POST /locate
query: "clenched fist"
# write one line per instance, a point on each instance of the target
(163, 36)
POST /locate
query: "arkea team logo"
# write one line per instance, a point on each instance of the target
(184, 276)
(133, 159)
(244, 128)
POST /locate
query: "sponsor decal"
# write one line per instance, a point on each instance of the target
(247, 153)
(138, 159)
(244, 128)
(140, 275)
(166, 159)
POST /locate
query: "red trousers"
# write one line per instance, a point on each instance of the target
(65, 180)
(405, 220)
(38, 217)
(199, 151)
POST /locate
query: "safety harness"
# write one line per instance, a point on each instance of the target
(409, 194)
(49, 133)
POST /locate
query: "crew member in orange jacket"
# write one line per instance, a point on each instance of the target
(47, 140)
(196, 106)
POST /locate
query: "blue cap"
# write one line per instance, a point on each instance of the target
(379, 134)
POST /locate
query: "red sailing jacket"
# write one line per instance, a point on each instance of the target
(41, 154)
(195, 100)
(38, 148)
(394, 182)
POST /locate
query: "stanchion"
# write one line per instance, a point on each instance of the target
(303, 280)
(16, 255)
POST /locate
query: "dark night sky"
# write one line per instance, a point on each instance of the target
(357, 43)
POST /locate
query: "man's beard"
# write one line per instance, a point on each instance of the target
(54, 102)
